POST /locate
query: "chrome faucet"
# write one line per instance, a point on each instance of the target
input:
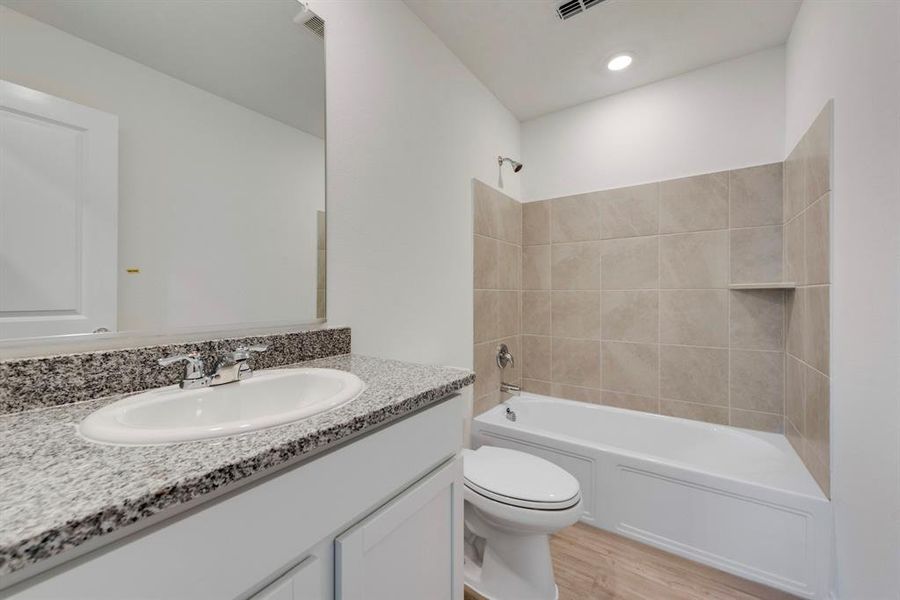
(505, 359)
(194, 377)
(235, 366)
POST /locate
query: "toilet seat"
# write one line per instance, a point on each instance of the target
(518, 479)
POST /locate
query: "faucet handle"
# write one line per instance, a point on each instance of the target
(505, 357)
(193, 370)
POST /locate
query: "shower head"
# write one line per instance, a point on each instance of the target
(516, 165)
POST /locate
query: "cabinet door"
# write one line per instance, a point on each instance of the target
(300, 583)
(410, 547)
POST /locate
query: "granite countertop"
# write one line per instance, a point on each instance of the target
(58, 490)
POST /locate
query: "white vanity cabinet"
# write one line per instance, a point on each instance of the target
(404, 549)
(378, 517)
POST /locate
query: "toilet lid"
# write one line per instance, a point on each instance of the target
(519, 479)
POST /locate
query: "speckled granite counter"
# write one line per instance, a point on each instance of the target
(58, 491)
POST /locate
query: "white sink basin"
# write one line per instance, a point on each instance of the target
(170, 414)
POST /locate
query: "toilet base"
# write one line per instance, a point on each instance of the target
(512, 566)
(473, 582)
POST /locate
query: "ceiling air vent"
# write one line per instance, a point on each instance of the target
(570, 8)
(315, 24)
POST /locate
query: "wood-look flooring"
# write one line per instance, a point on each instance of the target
(592, 564)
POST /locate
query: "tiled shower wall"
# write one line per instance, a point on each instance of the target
(806, 261)
(626, 297)
(498, 255)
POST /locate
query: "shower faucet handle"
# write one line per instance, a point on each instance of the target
(505, 357)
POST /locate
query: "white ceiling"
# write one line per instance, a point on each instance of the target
(249, 52)
(535, 63)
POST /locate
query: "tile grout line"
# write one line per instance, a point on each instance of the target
(658, 302)
(730, 295)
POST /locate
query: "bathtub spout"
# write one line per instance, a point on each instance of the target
(509, 388)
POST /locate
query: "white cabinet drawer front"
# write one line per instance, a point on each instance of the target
(410, 548)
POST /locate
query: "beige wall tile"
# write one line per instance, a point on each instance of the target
(757, 319)
(509, 267)
(794, 394)
(773, 423)
(756, 196)
(816, 415)
(536, 357)
(485, 403)
(630, 401)
(793, 436)
(696, 412)
(795, 321)
(508, 314)
(536, 386)
(815, 341)
(536, 312)
(577, 362)
(694, 317)
(536, 268)
(694, 203)
(794, 268)
(795, 181)
(694, 374)
(576, 314)
(485, 315)
(631, 368)
(536, 222)
(487, 209)
(575, 218)
(694, 260)
(510, 223)
(630, 211)
(631, 316)
(485, 263)
(818, 156)
(815, 226)
(321, 230)
(487, 374)
(757, 381)
(631, 263)
(321, 269)
(819, 471)
(572, 392)
(576, 266)
(321, 304)
(756, 254)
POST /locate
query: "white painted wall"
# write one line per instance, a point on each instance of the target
(850, 51)
(408, 129)
(725, 116)
(217, 203)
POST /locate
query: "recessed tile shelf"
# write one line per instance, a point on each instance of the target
(774, 285)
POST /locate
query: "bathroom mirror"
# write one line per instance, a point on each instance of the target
(162, 166)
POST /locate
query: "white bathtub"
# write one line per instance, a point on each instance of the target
(735, 499)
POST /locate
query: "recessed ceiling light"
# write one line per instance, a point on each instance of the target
(619, 62)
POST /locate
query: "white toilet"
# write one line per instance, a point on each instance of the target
(513, 502)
